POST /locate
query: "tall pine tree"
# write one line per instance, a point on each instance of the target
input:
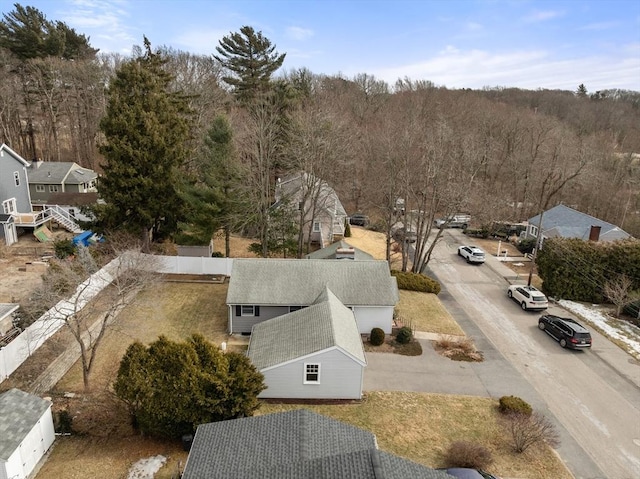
(252, 59)
(146, 129)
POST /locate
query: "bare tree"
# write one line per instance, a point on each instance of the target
(87, 299)
(619, 292)
(527, 430)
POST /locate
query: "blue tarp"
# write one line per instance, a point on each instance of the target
(84, 239)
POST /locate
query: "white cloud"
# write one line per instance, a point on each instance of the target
(199, 41)
(600, 26)
(298, 33)
(533, 69)
(542, 15)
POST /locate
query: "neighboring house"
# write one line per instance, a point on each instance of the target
(14, 193)
(49, 177)
(261, 289)
(72, 203)
(313, 353)
(564, 222)
(26, 433)
(297, 444)
(324, 215)
(340, 250)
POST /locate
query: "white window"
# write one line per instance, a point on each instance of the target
(316, 226)
(533, 230)
(16, 178)
(40, 188)
(247, 311)
(9, 206)
(53, 188)
(311, 373)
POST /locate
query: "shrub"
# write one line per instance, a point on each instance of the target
(468, 454)
(377, 336)
(217, 254)
(63, 422)
(404, 335)
(347, 228)
(514, 404)
(64, 248)
(416, 282)
(529, 429)
(526, 245)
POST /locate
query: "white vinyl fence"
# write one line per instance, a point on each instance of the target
(18, 350)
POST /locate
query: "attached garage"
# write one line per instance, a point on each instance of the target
(26, 433)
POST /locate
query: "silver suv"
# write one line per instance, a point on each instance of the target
(528, 297)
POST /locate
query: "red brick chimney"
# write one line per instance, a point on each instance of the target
(594, 233)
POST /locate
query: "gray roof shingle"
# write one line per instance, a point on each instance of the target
(296, 444)
(54, 172)
(330, 252)
(323, 325)
(19, 413)
(298, 282)
(569, 223)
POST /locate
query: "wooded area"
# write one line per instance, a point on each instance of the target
(497, 153)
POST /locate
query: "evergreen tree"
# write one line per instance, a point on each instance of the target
(146, 129)
(252, 60)
(581, 92)
(28, 34)
(172, 387)
(212, 200)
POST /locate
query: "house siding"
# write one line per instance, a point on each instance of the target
(8, 189)
(340, 378)
(367, 318)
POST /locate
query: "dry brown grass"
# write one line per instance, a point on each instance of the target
(373, 243)
(424, 312)
(420, 427)
(458, 348)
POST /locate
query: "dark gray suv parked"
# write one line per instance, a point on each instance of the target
(359, 219)
(568, 332)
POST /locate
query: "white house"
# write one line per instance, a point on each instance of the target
(313, 353)
(26, 433)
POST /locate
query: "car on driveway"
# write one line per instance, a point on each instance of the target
(466, 473)
(568, 332)
(358, 219)
(472, 254)
(401, 234)
(528, 297)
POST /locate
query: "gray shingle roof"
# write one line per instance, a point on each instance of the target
(295, 444)
(19, 413)
(330, 252)
(54, 172)
(295, 281)
(323, 325)
(569, 223)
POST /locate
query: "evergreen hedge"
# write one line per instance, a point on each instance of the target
(577, 270)
(416, 282)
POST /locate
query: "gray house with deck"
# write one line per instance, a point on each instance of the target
(14, 192)
(313, 353)
(46, 178)
(262, 289)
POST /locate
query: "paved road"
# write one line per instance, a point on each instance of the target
(593, 396)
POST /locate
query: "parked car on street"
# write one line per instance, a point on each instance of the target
(359, 219)
(466, 473)
(401, 234)
(568, 332)
(472, 254)
(455, 221)
(528, 297)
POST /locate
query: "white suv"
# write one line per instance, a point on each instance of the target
(527, 297)
(472, 254)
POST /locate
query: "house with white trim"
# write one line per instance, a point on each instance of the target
(313, 353)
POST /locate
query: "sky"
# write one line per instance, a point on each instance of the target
(528, 44)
